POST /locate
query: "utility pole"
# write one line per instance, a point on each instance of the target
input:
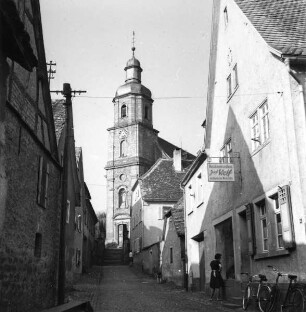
(67, 93)
(50, 71)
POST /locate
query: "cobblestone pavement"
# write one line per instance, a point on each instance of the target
(122, 288)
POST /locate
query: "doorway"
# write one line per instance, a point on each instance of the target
(122, 234)
(244, 247)
(225, 246)
(202, 264)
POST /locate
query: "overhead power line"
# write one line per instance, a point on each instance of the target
(184, 97)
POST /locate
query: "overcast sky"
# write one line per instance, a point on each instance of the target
(91, 42)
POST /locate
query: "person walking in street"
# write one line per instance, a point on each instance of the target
(216, 280)
(131, 258)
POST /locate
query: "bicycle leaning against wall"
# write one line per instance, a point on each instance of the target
(294, 300)
(259, 294)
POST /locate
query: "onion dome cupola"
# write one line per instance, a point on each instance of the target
(133, 80)
(133, 70)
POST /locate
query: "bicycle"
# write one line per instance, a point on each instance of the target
(294, 300)
(261, 295)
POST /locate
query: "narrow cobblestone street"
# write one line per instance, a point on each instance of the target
(121, 288)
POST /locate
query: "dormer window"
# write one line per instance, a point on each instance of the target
(146, 112)
(123, 111)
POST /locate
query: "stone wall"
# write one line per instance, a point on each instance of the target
(28, 274)
(172, 268)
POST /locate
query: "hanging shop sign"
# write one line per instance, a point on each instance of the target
(220, 172)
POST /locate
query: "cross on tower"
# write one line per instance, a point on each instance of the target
(133, 42)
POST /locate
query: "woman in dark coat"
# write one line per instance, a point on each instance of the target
(216, 280)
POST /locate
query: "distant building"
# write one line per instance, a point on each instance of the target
(29, 167)
(256, 123)
(172, 247)
(134, 146)
(74, 213)
(153, 195)
(90, 221)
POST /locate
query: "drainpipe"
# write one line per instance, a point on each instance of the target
(302, 89)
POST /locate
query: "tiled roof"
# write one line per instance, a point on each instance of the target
(59, 114)
(162, 182)
(168, 148)
(282, 23)
(177, 213)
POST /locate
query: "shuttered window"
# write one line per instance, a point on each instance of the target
(286, 216)
(273, 222)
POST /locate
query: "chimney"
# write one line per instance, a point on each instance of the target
(177, 159)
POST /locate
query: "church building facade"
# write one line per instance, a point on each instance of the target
(133, 147)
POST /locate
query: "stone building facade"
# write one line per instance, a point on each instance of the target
(30, 171)
(74, 183)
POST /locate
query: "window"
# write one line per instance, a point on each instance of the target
(67, 211)
(225, 14)
(264, 226)
(264, 121)
(43, 181)
(260, 129)
(255, 131)
(146, 112)
(273, 224)
(278, 222)
(229, 85)
(38, 244)
(79, 223)
(122, 198)
(226, 152)
(78, 257)
(137, 245)
(191, 199)
(123, 111)
(123, 148)
(232, 79)
(199, 194)
(235, 77)
(171, 255)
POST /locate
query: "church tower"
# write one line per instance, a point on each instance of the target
(131, 148)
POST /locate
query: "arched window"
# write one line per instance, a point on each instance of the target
(122, 198)
(123, 148)
(123, 111)
(146, 112)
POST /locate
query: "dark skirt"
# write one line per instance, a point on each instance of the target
(216, 280)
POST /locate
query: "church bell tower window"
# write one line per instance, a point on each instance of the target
(122, 198)
(123, 111)
(123, 148)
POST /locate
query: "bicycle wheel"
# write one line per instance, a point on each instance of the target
(274, 298)
(295, 300)
(264, 299)
(246, 297)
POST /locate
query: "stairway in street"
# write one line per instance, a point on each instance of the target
(113, 256)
